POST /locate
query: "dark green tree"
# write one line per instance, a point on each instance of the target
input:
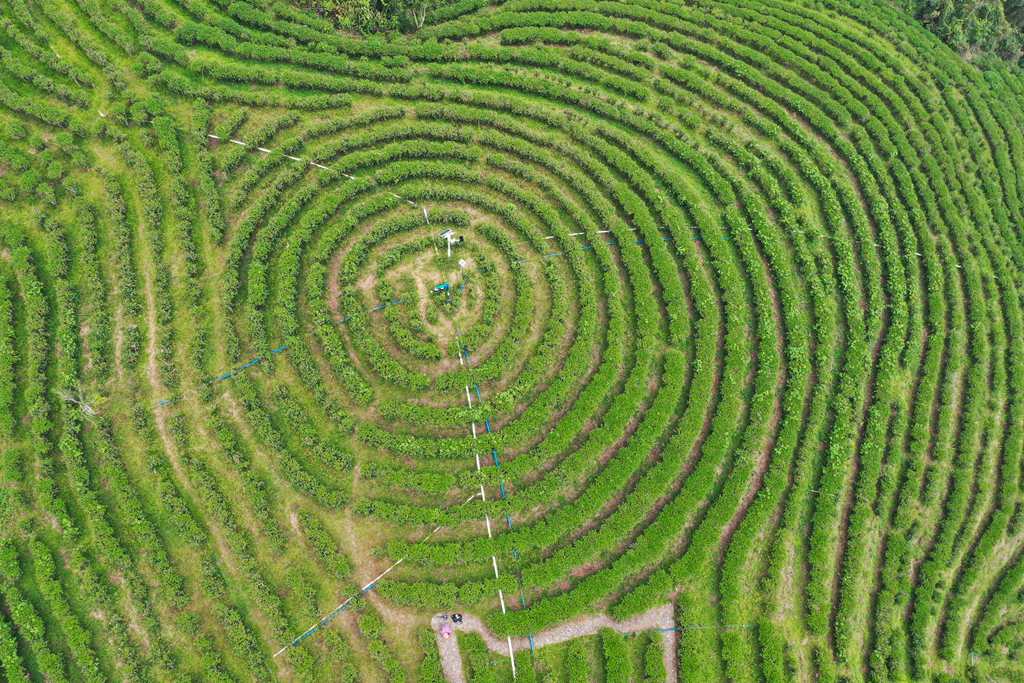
(973, 27)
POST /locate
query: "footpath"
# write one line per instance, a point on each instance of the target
(659, 618)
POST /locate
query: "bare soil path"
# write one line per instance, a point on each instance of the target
(655, 618)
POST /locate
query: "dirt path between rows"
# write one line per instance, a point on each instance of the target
(655, 618)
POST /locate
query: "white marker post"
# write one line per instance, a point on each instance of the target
(511, 657)
(447, 236)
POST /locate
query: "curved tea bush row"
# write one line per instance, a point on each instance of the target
(731, 325)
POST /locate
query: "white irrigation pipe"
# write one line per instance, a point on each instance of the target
(511, 657)
(405, 199)
(317, 164)
(393, 194)
(483, 497)
(487, 519)
(327, 618)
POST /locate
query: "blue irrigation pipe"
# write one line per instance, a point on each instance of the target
(330, 616)
(280, 349)
(378, 307)
(327, 619)
(248, 364)
(385, 304)
(501, 487)
(232, 373)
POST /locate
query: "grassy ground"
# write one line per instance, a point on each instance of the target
(733, 328)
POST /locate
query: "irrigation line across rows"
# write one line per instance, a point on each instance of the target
(245, 145)
(309, 162)
(483, 496)
(330, 616)
(237, 370)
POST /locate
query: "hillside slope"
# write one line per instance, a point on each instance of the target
(732, 320)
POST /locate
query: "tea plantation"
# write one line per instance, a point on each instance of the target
(658, 340)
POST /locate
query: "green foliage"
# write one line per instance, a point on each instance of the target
(371, 626)
(736, 326)
(375, 16)
(324, 544)
(972, 26)
(653, 659)
(577, 666)
(429, 669)
(479, 663)
(618, 662)
(8, 358)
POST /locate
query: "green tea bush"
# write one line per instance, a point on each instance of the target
(730, 325)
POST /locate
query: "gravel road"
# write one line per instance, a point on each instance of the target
(451, 659)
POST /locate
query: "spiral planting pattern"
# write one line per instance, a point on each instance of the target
(731, 320)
